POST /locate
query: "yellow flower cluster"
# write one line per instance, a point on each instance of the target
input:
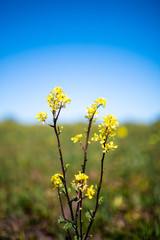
(111, 123)
(77, 138)
(118, 202)
(99, 101)
(81, 181)
(57, 98)
(93, 109)
(56, 180)
(90, 192)
(107, 129)
(90, 112)
(109, 146)
(41, 116)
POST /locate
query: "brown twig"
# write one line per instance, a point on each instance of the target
(64, 172)
(87, 139)
(62, 164)
(77, 213)
(80, 215)
(98, 193)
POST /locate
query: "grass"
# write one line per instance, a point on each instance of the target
(29, 207)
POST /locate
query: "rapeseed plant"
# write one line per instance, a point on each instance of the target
(57, 100)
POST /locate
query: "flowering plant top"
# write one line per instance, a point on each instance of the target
(57, 100)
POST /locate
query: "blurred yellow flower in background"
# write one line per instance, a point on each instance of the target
(118, 201)
(77, 138)
(122, 132)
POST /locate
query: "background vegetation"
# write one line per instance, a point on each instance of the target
(131, 188)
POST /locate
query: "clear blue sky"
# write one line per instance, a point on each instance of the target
(90, 48)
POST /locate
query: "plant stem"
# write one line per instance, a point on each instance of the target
(87, 139)
(61, 205)
(98, 192)
(97, 198)
(63, 170)
(76, 217)
(86, 146)
(85, 161)
(80, 215)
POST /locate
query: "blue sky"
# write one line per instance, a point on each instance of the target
(90, 48)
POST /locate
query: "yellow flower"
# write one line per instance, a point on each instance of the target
(81, 181)
(56, 180)
(99, 101)
(41, 116)
(110, 122)
(57, 98)
(96, 137)
(109, 146)
(106, 129)
(77, 138)
(90, 192)
(60, 129)
(92, 111)
(118, 201)
(122, 132)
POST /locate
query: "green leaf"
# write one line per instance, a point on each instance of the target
(75, 187)
(63, 190)
(96, 187)
(61, 220)
(74, 199)
(100, 200)
(75, 238)
(69, 190)
(74, 225)
(89, 214)
(67, 225)
(67, 165)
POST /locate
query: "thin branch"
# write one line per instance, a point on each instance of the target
(63, 214)
(80, 215)
(58, 113)
(61, 205)
(81, 145)
(87, 139)
(76, 215)
(97, 198)
(64, 172)
(98, 193)
(48, 124)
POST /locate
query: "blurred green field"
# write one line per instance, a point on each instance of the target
(29, 208)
